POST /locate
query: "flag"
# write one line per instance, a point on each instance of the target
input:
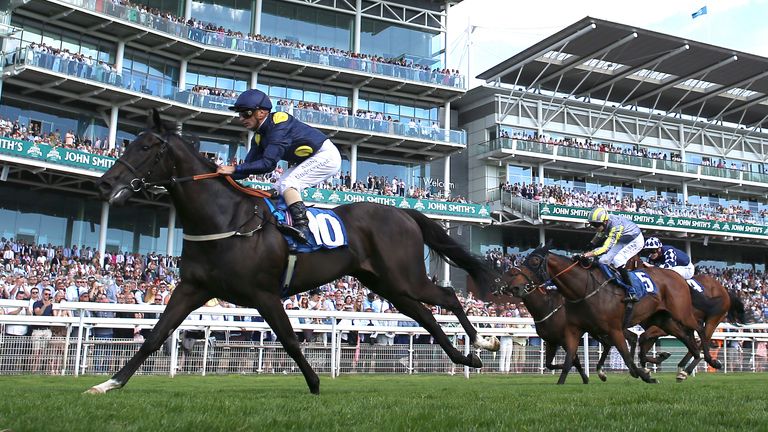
(700, 12)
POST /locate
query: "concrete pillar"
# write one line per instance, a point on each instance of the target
(182, 74)
(257, 17)
(541, 173)
(358, 24)
(254, 79)
(542, 236)
(355, 99)
(171, 231)
(447, 121)
(119, 56)
(353, 163)
(447, 177)
(103, 230)
(685, 192)
(113, 126)
(187, 10)
(688, 248)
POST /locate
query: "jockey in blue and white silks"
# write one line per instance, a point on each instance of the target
(668, 257)
(621, 240)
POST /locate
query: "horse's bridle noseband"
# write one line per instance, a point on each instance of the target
(140, 182)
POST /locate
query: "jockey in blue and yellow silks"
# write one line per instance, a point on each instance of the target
(621, 240)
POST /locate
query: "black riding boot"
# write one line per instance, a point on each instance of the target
(631, 297)
(300, 222)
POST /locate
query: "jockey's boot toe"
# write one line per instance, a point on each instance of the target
(631, 298)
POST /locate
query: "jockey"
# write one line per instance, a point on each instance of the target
(279, 136)
(668, 257)
(621, 239)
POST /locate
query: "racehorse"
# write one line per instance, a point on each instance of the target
(549, 311)
(597, 304)
(710, 307)
(234, 251)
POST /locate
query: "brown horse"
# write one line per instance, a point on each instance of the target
(595, 302)
(549, 311)
(710, 307)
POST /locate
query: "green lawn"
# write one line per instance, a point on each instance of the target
(387, 402)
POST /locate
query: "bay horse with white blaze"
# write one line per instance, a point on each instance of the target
(385, 251)
(710, 307)
(595, 303)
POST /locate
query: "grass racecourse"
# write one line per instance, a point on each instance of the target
(707, 402)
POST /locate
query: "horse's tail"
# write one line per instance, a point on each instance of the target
(737, 312)
(441, 243)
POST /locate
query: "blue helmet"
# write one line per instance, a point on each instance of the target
(652, 243)
(251, 100)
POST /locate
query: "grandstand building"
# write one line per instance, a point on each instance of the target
(662, 129)
(79, 77)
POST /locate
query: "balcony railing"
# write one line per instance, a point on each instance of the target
(182, 30)
(638, 162)
(159, 88)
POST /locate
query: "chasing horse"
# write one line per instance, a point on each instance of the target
(594, 302)
(548, 309)
(233, 250)
(711, 302)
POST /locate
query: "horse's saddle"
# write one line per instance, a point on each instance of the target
(642, 284)
(328, 231)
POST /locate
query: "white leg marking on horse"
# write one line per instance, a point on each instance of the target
(490, 344)
(682, 376)
(104, 387)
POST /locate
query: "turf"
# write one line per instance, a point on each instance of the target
(385, 402)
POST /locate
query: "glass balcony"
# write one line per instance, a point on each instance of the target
(681, 167)
(534, 147)
(159, 88)
(181, 30)
(635, 161)
(756, 177)
(580, 153)
(728, 173)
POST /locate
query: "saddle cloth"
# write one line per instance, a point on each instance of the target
(694, 285)
(328, 231)
(642, 284)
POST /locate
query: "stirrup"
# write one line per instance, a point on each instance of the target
(293, 232)
(631, 298)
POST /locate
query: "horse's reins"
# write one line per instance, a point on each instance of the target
(139, 182)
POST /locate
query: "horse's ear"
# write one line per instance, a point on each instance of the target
(154, 122)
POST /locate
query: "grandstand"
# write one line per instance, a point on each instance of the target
(375, 74)
(664, 130)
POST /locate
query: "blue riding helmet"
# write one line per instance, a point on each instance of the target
(252, 99)
(652, 243)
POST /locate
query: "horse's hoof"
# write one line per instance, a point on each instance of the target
(474, 361)
(646, 370)
(716, 364)
(104, 387)
(633, 373)
(603, 377)
(663, 356)
(651, 381)
(682, 376)
(94, 390)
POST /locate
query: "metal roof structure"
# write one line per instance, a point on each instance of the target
(631, 67)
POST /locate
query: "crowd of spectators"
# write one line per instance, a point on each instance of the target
(656, 205)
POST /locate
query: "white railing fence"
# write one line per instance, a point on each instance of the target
(234, 341)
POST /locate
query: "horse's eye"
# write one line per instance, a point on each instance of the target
(145, 147)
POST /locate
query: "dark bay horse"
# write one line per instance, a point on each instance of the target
(595, 303)
(385, 251)
(549, 311)
(710, 307)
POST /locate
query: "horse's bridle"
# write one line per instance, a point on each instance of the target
(139, 182)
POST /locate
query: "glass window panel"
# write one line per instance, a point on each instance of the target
(304, 23)
(311, 96)
(294, 94)
(236, 14)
